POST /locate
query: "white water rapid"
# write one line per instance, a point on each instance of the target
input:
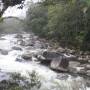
(9, 63)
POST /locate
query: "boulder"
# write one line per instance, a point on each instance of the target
(27, 56)
(88, 72)
(21, 42)
(50, 55)
(59, 63)
(81, 70)
(73, 64)
(61, 50)
(29, 43)
(82, 60)
(88, 66)
(71, 51)
(3, 52)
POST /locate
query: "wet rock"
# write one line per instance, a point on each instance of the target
(50, 55)
(19, 36)
(3, 52)
(62, 76)
(59, 63)
(38, 44)
(29, 43)
(2, 38)
(73, 70)
(88, 82)
(87, 66)
(84, 58)
(74, 67)
(21, 42)
(61, 50)
(19, 59)
(27, 56)
(70, 57)
(88, 72)
(81, 70)
(17, 48)
(89, 61)
(73, 64)
(71, 51)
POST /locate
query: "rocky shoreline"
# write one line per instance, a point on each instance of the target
(68, 60)
(60, 60)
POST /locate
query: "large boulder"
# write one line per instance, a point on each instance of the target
(59, 63)
(49, 55)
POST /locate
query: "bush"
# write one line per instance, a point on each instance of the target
(18, 82)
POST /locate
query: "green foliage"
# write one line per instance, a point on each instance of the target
(18, 82)
(65, 21)
(37, 19)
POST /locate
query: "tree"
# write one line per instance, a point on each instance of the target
(64, 21)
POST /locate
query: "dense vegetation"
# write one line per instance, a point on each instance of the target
(63, 21)
(19, 82)
(11, 2)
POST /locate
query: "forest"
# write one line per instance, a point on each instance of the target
(65, 22)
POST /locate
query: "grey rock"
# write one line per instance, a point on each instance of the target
(61, 50)
(50, 55)
(17, 48)
(73, 64)
(88, 72)
(21, 42)
(27, 56)
(3, 52)
(60, 64)
(18, 59)
(19, 36)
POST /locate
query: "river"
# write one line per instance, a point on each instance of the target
(10, 57)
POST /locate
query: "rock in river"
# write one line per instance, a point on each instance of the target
(16, 48)
(60, 63)
(27, 56)
(3, 52)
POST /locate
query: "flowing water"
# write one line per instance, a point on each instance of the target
(8, 56)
